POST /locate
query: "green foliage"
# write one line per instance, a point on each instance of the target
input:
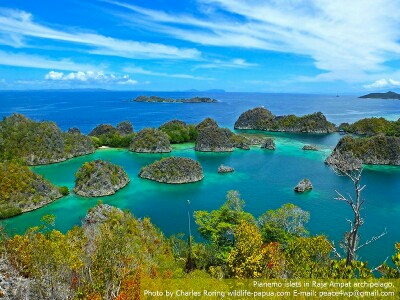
(113, 140)
(21, 189)
(39, 142)
(374, 126)
(63, 190)
(218, 226)
(283, 224)
(392, 271)
(179, 132)
(308, 257)
(150, 140)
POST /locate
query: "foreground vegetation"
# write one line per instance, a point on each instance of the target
(112, 252)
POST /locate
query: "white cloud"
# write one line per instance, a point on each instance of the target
(236, 63)
(16, 25)
(347, 40)
(90, 77)
(383, 83)
(40, 62)
(138, 70)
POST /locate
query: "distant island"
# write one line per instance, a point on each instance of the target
(170, 100)
(388, 95)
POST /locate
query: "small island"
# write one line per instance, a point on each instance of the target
(260, 118)
(303, 186)
(150, 140)
(99, 178)
(173, 170)
(387, 96)
(171, 100)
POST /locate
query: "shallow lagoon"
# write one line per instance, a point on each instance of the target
(264, 178)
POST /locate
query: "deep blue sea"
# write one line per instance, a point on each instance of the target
(265, 179)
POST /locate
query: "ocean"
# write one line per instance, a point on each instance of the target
(265, 179)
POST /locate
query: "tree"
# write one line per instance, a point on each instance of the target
(283, 224)
(218, 226)
(347, 165)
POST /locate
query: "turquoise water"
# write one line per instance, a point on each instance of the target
(264, 178)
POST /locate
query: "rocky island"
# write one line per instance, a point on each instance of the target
(39, 143)
(268, 144)
(150, 140)
(303, 186)
(117, 137)
(99, 178)
(212, 138)
(21, 190)
(261, 118)
(225, 169)
(388, 95)
(310, 148)
(173, 170)
(374, 150)
(171, 100)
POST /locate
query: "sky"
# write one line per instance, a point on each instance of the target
(291, 46)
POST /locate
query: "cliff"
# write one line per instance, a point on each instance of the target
(150, 140)
(262, 119)
(375, 150)
(99, 178)
(21, 190)
(173, 170)
(38, 143)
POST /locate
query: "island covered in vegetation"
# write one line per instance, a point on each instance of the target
(99, 178)
(173, 170)
(171, 100)
(388, 95)
(261, 118)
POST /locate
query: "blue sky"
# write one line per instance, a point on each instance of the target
(316, 46)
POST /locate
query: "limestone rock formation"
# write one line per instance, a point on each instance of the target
(268, 144)
(225, 169)
(303, 185)
(173, 170)
(374, 150)
(214, 139)
(310, 148)
(150, 140)
(262, 119)
(125, 127)
(99, 178)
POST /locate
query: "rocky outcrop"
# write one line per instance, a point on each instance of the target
(74, 130)
(310, 148)
(170, 100)
(173, 170)
(303, 186)
(214, 139)
(99, 178)
(39, 143)
(375, 150)
(207, 122)
(103, 129)
(268, 144)
(225, 169)
(150, 140)
(21, 190)
(262, 119)
(99, 214)
(125, 127)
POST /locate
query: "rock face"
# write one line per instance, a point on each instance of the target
(39, 143)
(170, 100)
(99, 178)
(214, 139)
(262, 119)
(225, 169)
(74, 130)
(310, 148)
(207, 122)
(125, 127)
(173, 170)
(375, 150)
(268, 144)
(99, 214)
(150, 140)
(103, 129)
(303, 185)
(21, 190)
